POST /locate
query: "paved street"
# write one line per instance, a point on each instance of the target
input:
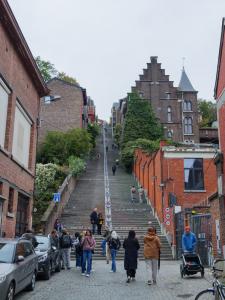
(104, 285)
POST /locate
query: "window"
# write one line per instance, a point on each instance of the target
(21, 136)
(188, 128)
(10, 200)
(187, 105)
(193, 174)
(20, 250)
(169, 114)
(4, 95)
(28, 249)
(169, 134)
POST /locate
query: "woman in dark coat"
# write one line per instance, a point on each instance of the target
(131, 246)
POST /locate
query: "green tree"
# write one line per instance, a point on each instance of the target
(117, 134)
(46, 68)
(208, 112)
(48, 71)
(127, 153)
(59, 146)
(140, 121)
(67, 78)
(76, 165)
(93, 130)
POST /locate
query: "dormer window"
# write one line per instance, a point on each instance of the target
(50, 98)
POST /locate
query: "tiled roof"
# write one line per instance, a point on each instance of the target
(185, 84)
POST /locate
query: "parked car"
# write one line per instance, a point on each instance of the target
(18, 267)
(48, 256)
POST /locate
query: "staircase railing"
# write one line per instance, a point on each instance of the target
(55, 210)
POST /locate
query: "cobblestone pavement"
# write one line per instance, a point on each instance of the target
(70, 285)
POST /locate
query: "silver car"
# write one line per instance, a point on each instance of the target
(18, 267)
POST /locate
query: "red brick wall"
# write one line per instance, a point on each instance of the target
(221, 78)
(16, 76)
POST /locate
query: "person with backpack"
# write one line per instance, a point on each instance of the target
(131, 246)
(78, 250)
(88, 244)
(114, 246)
(100, 223)
(152, 247)
(65, 243)
(58, 226)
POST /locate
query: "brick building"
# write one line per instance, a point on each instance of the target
(91, 116)
(219, 94)
(175, 107)
(176, 177)
(21, 87)
(65, 108)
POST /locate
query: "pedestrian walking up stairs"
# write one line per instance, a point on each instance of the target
(89, 193)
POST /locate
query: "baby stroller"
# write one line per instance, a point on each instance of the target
(191, 264)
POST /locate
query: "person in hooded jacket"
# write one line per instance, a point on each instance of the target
(29, 235)
(152, 247)
(114, 246)
(131, 246)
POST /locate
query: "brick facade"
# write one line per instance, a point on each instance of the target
(18, 72)
(162, 175)
(168, 102)
(219, 94)
(65, 109)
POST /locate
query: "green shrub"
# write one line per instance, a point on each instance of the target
(127, 153)
(93, 130)
(76, 165)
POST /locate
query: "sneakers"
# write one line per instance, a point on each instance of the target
(149, 282)
(83, 274)
(87, 275)
(111, 271)
(128, 279)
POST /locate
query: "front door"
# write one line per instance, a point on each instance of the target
(22, 214)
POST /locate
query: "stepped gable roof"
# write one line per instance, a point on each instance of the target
(12, 28)
(219, 57)
(185, 84)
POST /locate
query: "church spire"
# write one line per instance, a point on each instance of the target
(185, 84)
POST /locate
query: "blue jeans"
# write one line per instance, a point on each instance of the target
(87, 259)
(94, 227)
(113, 255)
(78, 260)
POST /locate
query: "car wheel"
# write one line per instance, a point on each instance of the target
(11, 291)
(31, 285)
(47, 273)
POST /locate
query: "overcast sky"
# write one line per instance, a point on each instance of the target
(105, 44)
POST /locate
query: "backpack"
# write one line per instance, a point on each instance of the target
(66, 241)
(114, 244)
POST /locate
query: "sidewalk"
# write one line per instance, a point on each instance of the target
(104, 285)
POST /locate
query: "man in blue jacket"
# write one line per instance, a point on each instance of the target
(188, 241)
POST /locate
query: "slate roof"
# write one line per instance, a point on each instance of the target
(185, 84)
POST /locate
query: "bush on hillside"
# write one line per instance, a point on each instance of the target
(76, 165)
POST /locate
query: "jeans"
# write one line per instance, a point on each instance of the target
(87, 260)
(94, 226)
(113, 255)
(66, 257)
(151, 268)
(78, 260)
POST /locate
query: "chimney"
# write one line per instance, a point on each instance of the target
(154, 59)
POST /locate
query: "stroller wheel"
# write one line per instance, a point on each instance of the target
(181, 271)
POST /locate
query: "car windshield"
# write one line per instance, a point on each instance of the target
(43, 243)
(6, 252)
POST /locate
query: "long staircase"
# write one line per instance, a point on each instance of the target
(89, 193)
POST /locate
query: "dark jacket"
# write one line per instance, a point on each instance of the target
(114, 244)
(65, 241)
(94, 217)
(131, 247)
